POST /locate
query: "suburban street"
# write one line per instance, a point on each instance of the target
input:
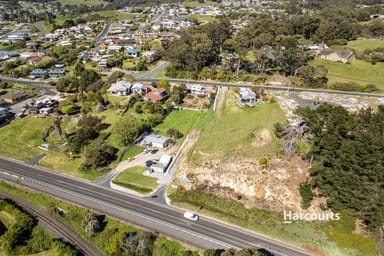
(169, 221)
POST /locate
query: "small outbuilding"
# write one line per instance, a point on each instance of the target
(163, 164)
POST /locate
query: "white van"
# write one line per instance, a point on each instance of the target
(191, 216)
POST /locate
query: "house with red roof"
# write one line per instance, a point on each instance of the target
(156, 96)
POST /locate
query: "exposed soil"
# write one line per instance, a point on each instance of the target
(273, 187)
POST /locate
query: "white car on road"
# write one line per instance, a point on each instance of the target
(191, 216)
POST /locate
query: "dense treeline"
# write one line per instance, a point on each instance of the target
(349, 163)
(272, 43)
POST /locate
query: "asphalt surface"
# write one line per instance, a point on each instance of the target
(103, 33)
(169, 221)
(40, 27)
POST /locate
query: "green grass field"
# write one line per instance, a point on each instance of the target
(20, 138)
(80, 2)
(183, 120)
(134, 179)
(132, 151)
(361, 45)
(239, 126)
(196, 3)
(356, 70)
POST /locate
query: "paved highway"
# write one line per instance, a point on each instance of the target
(205, 233)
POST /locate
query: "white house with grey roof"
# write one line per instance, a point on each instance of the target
(247, 96)
(121, 88)
(156, 140)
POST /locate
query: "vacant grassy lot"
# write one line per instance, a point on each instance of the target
(196, 3)
(182, 120)
(20, 138)
(79, 2)
(356, 70)
(134, 179)
(239, 126)
(361, 45)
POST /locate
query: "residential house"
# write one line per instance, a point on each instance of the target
(157, 141)
(198, 89)
(37, 73)
(162, 165)
(133, 53)
(103, 64)
(247, 96)
(344, 56)
(138, 88)
(14, 97)
(121, 88)
(156, 96)
(56, 72)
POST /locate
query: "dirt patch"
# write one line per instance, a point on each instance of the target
(262, 138)
(273, 187)
(361, 228)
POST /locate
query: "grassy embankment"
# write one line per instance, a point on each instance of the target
(237, 124)
(73, 215)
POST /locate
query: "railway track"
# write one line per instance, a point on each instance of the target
(65, 232)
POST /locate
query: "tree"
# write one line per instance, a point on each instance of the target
(306, 194)
(68, 23)
(87, 77)
(174, 133)
(98, 155)
(91, 224)
(164, 84)
(129, 128)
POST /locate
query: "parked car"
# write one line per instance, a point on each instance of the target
(191, 216)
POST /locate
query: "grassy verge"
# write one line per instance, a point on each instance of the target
(73, 215)
(329, 238)
(134, 179)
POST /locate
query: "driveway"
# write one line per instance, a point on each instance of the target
(140, 160)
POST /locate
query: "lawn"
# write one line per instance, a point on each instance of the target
(20, 138)
(361, 45)
(132, 151)
(182, 120)
(201, 18)
(196, 3)
(239, 126)
(84, 2)
(134, 179)
(356, 70)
